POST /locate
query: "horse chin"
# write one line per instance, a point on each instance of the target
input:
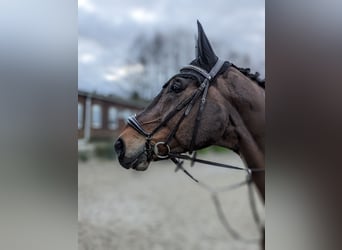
(141, 166)
(137, 161)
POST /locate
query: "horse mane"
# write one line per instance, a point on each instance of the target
(254, 77)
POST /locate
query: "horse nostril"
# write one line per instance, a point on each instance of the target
(119, 147)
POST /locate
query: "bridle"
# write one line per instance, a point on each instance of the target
(186, 105)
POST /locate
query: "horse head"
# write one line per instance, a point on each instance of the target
(209, 102)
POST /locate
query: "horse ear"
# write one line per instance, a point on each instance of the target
(204, 52)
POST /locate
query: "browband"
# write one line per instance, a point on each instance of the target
(213, 72)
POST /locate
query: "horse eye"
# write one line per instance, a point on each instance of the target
(176, 87)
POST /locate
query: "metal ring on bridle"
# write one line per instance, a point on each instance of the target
(156, 150)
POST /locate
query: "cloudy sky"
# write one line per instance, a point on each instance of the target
(107, 29)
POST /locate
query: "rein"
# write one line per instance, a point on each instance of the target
(215, 192)
(187, 105)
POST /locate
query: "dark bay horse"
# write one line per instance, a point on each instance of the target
(210, 102)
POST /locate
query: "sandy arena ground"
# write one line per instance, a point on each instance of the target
(159, 209)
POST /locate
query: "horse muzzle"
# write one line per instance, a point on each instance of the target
(137, 160)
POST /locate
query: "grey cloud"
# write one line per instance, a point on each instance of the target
(233, 26)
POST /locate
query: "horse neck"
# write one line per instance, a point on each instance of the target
(253, 156)
(245, 102)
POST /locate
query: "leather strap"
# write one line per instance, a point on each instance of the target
(214, 70)
(187, 104)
